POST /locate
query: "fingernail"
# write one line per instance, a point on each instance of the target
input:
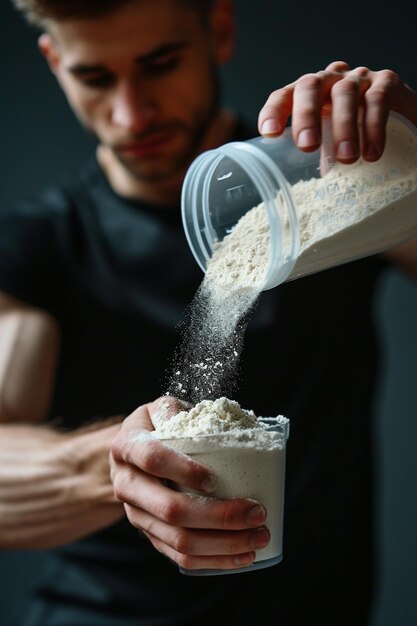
(260, 537)
(308, 138)
(256, 515)
(347, 150)
(270, 127)
(371, 153)
(209, 484)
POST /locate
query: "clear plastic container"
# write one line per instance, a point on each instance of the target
(246, 467)
(321, 213)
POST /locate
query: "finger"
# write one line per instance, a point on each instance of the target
(311, 94)
(136, 422)
(137, 425)
(184, 509)
(346, 98)
(338, 66)
(386, 90)
(224, 562)
(165, 407)
(274, 114)
(203, 542)
(141, 457)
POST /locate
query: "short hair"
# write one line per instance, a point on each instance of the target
(38, 12)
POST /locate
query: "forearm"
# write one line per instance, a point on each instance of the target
(54, 487)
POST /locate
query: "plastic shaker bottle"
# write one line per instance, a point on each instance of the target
(321, 213)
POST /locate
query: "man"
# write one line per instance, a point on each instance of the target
(106, 277)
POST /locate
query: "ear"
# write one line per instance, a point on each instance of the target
(223, 30)
(48, 48)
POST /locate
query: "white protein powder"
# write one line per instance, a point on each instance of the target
(208, 417)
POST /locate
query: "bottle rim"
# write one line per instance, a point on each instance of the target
(405, 121)
(267, 178)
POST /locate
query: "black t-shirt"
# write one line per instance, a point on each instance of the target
(118, 276)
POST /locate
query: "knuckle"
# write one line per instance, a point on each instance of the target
(338, 66)
(150, 459)
(184, 560)
(120, 486)
(169, 511)
(361, 71)
(375, 97)
(121, 445)
(311, 81)
(346, 86)
(116, 448)
(389, 77)
(167, 406)
(182, 543)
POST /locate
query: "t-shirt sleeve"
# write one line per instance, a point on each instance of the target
(28, 260)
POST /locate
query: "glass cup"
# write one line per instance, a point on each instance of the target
(247, 464)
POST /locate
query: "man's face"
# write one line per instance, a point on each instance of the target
(143, 80)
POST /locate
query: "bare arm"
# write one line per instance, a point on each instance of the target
(54, 487)
(29, 346)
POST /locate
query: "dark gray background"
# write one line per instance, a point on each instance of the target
(40, 140)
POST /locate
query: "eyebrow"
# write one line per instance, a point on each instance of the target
(80, 69)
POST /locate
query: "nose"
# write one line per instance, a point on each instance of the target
(132, 109)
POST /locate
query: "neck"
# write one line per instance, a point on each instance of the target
(167, 191)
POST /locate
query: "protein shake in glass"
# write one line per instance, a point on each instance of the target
(247, 455)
